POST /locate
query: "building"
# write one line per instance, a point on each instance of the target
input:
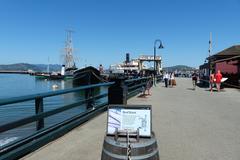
(228, 62)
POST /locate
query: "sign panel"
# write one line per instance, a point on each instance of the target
(129, 118)
(149, 58)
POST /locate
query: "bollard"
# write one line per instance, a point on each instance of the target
(117, 93)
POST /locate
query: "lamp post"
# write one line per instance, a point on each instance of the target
(160, 46)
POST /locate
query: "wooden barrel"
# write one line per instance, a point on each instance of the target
(144, 149)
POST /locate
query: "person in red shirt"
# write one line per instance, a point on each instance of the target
(218, 78)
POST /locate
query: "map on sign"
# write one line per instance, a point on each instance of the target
(129, 118)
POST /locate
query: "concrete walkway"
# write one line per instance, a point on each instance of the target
(189, 125)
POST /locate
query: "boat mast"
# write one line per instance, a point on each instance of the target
(68, 57)
(48, 71)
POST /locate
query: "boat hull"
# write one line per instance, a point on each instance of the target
(87, 76)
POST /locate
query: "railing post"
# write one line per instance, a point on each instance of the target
(117, 93)
(158, 78)
(89, 93)
(39, 109)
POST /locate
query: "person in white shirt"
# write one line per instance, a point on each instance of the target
(166, 78)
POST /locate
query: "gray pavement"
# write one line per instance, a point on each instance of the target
(189, 125)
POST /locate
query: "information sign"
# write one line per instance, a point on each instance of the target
(129, 118)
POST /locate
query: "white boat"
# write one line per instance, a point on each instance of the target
(131, 67)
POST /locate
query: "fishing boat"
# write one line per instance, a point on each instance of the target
(68, 72)
(55, 76)
(86, 76)
(52, 76)
(41, 75)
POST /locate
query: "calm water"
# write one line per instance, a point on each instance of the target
(14, 85)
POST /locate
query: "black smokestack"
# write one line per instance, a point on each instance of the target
(127, 57)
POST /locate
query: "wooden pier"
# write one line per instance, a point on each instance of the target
(13, 72)
(189, 125)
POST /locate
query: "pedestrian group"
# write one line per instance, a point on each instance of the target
(169, 79)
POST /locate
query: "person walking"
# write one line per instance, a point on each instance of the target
(172, 78)
(211, 81)
(100, 68)
(218, 78)
(149, 86)
(194, 80)
(166, 78)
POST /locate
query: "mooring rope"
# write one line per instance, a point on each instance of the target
(99, 78)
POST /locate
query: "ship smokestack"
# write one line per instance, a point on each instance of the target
(127, 57)
(63, 70)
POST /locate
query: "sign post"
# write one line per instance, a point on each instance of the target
(129, 134)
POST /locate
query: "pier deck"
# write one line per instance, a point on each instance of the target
(189, 125)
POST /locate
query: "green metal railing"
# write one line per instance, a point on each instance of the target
(135, 86)
(43, 134)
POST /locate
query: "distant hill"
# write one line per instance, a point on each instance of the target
(57, 67)
(52, 67)
(183, 68)
(26, 67)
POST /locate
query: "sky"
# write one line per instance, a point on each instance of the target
(31, 31)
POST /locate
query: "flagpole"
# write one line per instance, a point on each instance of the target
(209, 53)
(210, 44)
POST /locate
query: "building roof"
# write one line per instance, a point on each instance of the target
(231, 51)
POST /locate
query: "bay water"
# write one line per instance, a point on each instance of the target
(15, 85)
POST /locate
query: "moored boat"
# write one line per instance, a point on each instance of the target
(41, 75)
(86, 76)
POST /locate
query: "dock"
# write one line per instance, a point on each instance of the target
(188, 124)
(13, 72)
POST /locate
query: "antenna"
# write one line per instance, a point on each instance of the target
(210, 52)
(48, 66)
(210, 45)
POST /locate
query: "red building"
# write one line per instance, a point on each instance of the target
(228, 62)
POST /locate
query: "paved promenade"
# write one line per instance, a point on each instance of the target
(189, 125)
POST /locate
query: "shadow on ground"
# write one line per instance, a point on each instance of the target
(200, 85)
(142, 96)
(192, 89)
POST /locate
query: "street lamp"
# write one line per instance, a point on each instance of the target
(160, 46)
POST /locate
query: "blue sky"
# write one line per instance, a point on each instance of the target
(33, 30)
